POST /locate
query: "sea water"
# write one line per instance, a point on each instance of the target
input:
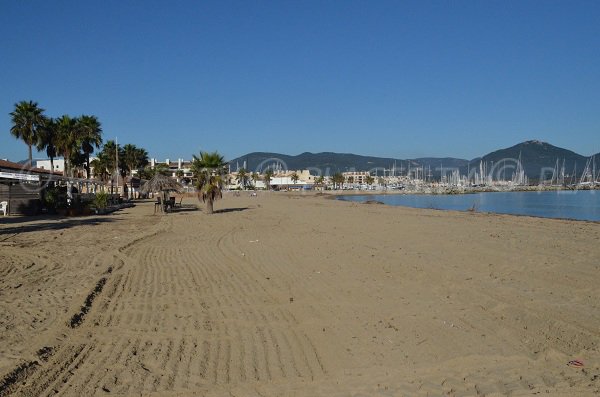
(569, 204)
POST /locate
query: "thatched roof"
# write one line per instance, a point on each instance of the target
(160, 183)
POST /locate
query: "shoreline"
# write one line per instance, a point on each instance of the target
(446, 192)
(340, 197)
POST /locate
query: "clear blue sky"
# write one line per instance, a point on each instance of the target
(398, 79)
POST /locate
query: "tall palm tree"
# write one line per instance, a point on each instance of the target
(67, 140)
(267, 178)
(209, 169)
(47, 139)
(141, 158)
(242, 178)
(27, 119)
(99, 166)
(129, 158)
(91, 137)
(134, 158)
(109, 154)
(255, 178)
(369, 180)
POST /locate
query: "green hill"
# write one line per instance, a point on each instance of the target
(536, 158)
(328, 163)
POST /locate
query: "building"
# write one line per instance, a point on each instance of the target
(279, 181)
(20, 187)
(356, 177)
(173, 166)
(59, 165)
(284, 181)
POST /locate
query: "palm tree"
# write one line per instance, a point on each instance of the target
(67, 139)
(242, 178)
(90, 137)
(142, 158)
(130, 156)
(369, 180)
(47, 139)
(267, 178)
(209, 169)
(109, 156)
(294, 178)
(134, 158)
(123, 171)
(338, 180)
(99, 165)
(320, 180)
(255, 178)
(27, 119)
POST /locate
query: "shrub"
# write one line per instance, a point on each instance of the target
(101, 200)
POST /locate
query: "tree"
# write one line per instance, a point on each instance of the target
(134, 159)
(294, 178)
(90, 135)
(369, 180)
(109, 156)
(142, 158)
(255, 178)
(338, 180)
(123, 170)
(350, 179)
(99, 165)
(242, 178)
(77, 161)
(46, 139)
(27, 119)
(267, 178)
(147, 172)
(179, 174)
(320, 181)
(67, 140)
(209, 169)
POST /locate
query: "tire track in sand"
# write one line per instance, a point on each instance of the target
(180, 312)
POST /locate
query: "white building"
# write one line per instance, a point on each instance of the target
(59, 164)
(174, 166)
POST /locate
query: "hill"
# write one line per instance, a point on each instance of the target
(537, 158)
(329, 162)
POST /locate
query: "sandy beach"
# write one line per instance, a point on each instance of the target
(299, 295)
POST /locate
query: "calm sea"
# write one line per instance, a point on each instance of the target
(580, 204)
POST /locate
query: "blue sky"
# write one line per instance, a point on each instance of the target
(397, 79)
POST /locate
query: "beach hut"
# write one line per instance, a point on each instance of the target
(163, 185)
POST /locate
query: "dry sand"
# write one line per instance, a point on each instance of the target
(299, 296)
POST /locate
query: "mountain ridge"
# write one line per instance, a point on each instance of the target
(537, 158)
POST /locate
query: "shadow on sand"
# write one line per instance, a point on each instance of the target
(37, 223)
(226, 210)
(185, 208)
